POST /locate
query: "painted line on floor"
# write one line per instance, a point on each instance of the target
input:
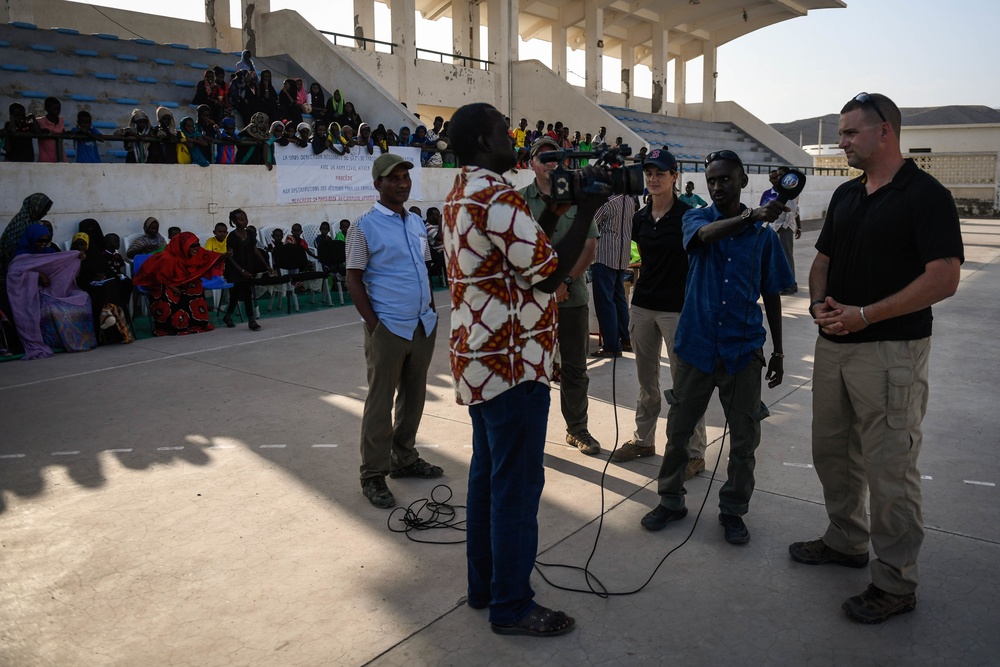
(796, 465)
(926, 477)
(323, 446)
(434, 446)
(975, 483)
(169, 449)
(468, 446)
(223, 446)
(65, 453)
(272, 446)
(11, 456)
(179, 355)
(123, 450)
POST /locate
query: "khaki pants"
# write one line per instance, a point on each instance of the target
(649, 330)
(396, 367)
(868, 402)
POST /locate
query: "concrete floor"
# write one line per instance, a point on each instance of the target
(194, 501)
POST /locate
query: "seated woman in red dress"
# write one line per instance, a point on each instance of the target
(173, 279)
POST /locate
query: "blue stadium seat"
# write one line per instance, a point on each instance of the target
(13, 68)
(184, 84)
(4, 44)
(104, 125)
(144, 42)
(86, 53)
(130, 101)
(118, 153)
(46, 48)
(127, 57)
(105, 76)
(69, 152)
(104, 35)
(145, 79)
(169, 105)
(34, 94)
(231, 70)
(83, 98)
(62, 72)
(163, 61)
(66, 31)
(23, 25)
(209, 49)
(198, 65)
(182, 47)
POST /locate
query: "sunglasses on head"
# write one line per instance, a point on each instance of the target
(865, 98)
(722, 155)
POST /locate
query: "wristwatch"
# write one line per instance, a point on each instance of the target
(568, 280)
(747, 212)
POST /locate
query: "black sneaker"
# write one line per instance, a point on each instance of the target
(736, 530)
(377, 492)
(876, 605)
(816, 552)
(660, 516)
(418, 468)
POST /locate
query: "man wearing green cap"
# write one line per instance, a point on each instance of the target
(387, 252)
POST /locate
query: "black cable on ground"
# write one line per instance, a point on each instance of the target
(429, 514)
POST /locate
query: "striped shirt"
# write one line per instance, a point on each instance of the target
(614, 222)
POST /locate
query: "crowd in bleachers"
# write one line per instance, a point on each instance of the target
(234, 122)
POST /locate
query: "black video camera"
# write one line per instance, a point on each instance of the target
(624, 180)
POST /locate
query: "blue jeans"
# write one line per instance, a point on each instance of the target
(505, 484)
(610, 305)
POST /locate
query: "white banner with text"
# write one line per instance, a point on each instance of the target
(306, 178)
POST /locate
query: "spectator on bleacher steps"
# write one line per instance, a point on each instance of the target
(334, 107)
(86, 144)
(165, 151)
(288, 106)
(350, 118)
(190, 143)
(136, 152)
(267, 96)
(149, 242)
(19, 149)
(51, 150)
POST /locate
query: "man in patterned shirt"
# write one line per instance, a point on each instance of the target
(503, 270)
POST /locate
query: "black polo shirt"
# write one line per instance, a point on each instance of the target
(663, 275)
(879, 243)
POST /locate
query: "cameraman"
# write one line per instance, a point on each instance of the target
(574, 310)
(502, 272)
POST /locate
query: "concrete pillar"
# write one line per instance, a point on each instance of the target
(594, 44)
(659, 69)
(364, 21)
(502, 20)
(559, 49)
(475, 23)
(251, 10)
(628, 64)
(680, 83)
(217, 15)
(17, 10)
(709, 76)
(404, 28)
(462, 12)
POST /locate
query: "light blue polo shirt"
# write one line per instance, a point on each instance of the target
(392, 251)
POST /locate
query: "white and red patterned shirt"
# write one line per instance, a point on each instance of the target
(503, 331)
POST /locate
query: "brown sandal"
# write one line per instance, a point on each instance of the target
(540, 622)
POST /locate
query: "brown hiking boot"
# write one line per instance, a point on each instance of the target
(694, 467)
(817, 553)
(632, 450)
(584, 442)
(876, 605)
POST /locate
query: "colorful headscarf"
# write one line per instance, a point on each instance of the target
(174, 268)
(257, 129)
(32, 209)
(336, 103)
(84, 237)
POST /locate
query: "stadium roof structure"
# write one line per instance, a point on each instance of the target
(691, 23)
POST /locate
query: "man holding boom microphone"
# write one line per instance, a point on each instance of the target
(733, 259)
(502, 271)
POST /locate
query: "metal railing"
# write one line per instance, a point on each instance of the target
(751, 168)
(359, 42)
(464, 61)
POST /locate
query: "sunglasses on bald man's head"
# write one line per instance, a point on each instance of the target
(722, 155)
(865, 98)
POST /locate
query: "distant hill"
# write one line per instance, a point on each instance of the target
(950, 115)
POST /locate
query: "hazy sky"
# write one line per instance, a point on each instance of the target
(918, 52)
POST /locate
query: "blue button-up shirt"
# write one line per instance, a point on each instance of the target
(720, 318)
(392, 251)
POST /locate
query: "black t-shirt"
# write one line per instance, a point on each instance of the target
(879, 243)
(663, 275)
